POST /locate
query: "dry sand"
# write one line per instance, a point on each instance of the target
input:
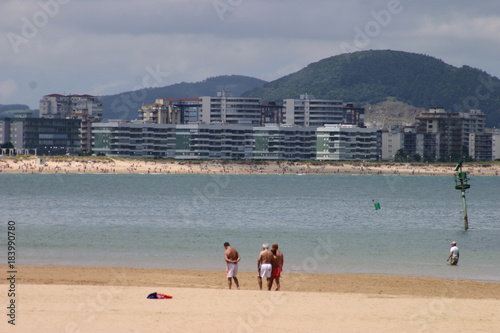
(66, 164)
(86, 299)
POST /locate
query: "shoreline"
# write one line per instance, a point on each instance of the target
(368, 284)
(106, 165)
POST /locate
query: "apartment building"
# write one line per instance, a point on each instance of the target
(87, 108)
(134, 139)
(171, 111)
(217, 141)
(451, 129)
(275, 142)
(42, 136)
(391, 143)
(346, 143)
(485, 146)
(311, 112)
(225, 109)
(62, 106)
(214, 141)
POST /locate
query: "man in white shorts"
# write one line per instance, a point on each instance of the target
(232, 257)
(454, 254)
(264, 266)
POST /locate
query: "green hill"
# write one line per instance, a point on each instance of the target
(126, 105)
(370, 77)
(10, 110)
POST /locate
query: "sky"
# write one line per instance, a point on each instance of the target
(103, 47)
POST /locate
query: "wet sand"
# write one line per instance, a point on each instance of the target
(106, 299)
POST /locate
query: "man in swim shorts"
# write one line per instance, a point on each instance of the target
(264, 266)
(454, 254)
(232, 258)
(277, 263)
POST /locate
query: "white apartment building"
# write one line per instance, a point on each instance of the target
(225, 109)
(310, 112)
(391, 143)
(346, 143)
(495, 144)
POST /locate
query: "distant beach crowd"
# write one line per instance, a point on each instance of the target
(134, 166)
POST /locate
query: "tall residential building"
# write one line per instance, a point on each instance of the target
(495, 133)
(451, 130)
(410, 142)
(62, 106)
(485, 146)
(311, 112)
(225, 109)
(391, 143)
(86, 108)
(171, 111)
(190, 109)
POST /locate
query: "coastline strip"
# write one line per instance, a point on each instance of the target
(293, 282)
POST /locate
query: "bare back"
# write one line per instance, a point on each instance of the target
(231, 255)
(266, 257)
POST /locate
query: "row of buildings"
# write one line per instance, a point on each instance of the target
(227, 127)
(222, 141)
(305, 111)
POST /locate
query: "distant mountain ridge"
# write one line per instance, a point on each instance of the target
(370, 77)
(9, 109)
(126, 105)
(390, 84)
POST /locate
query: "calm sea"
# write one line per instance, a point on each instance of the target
(323, 224)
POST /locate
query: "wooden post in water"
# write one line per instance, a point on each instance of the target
(462, 183)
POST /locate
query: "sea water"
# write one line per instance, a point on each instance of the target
(322, 223)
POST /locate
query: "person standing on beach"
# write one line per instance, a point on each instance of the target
(275, 273)
(264, 266)
(232, 258)
(280, 258)
(454, 254)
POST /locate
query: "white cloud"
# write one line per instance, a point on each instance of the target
(7, 89)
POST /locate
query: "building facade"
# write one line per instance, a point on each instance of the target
(62, 106)
(451, 131)
(311, 112)
(225, 109)
(171, 111)
(42, 136)
(87, 108)
(232, 142)
(485, 146)
(346, 143)
(275, 142)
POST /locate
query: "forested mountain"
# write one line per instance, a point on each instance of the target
(370, 77)
(126, 105)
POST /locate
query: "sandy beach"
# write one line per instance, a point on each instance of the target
(90, 164)
(105, 299)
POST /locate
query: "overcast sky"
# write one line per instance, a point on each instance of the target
(103, 47)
